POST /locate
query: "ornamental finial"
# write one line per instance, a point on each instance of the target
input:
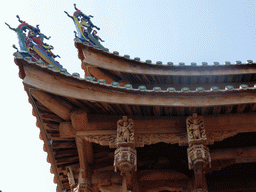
(86, 30)
(32, 45)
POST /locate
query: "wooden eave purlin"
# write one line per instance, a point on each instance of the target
(67, 86)
(101, 59)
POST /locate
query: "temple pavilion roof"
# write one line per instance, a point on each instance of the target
(158, 98)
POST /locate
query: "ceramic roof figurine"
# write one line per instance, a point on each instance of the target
(31, 42)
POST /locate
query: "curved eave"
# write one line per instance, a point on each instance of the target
(57, 83)
(110, 61)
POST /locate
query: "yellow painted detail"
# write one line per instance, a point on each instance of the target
(41, 54)
(80, 27)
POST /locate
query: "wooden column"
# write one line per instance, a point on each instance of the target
(198, 153)
(84, 179)
(200, 180)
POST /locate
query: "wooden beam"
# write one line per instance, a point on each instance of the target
(168, 129)
(63, 145)
(151, 175)
(239, 154)
(240, 122)
(96, 72)
(67, 152)
(56, 105)
(82, 157)
(67, 130)
(86, 158)
(89, 152)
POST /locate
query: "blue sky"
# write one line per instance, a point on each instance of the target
(175, 30)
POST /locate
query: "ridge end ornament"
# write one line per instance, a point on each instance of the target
(86, 31)
(32, 45)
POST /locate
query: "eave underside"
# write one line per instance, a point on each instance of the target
(177, 82)
(66, 155)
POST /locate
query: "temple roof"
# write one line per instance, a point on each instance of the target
(61, 101)
(157, 97)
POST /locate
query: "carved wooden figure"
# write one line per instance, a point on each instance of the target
(196, 130)
(125, 131)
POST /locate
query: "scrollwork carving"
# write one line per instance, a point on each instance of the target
(104, 140)
(152, 138)
(140, 139)
(220, 135)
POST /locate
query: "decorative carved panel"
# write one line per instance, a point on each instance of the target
(198, 154)
(104, 140)
(196, 130)
(220, 135)
(153, 138)
(125, 159)
(125, 131)
(140, 139)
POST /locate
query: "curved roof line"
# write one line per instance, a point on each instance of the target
(137, 60)
(58, 82)
(91, 56)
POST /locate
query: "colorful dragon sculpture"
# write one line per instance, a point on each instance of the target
(32, 45)
(85, 28)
